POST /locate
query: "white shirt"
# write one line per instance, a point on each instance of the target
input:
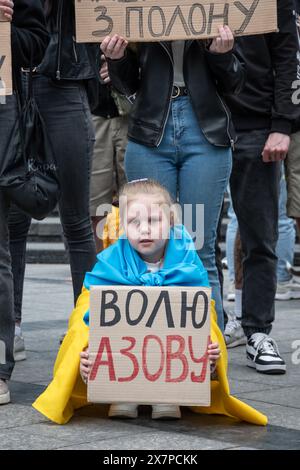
(154, 267)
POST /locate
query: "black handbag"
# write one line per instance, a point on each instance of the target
(28, 173)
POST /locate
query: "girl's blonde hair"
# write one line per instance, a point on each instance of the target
(147, 187)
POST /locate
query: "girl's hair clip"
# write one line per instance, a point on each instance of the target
(138, 181)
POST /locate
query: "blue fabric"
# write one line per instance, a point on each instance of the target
(120, 264)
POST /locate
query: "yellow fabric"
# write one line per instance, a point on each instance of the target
(111, 229)
(67, 392)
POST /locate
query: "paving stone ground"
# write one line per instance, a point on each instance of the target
(47, 304)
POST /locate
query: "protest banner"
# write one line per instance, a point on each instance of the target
(149, 345)
(149, 20)
(5, 59)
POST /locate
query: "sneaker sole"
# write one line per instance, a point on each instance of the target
(5, 398)
(238, 342)
(20, 356)
(288, 296)
(279, 369)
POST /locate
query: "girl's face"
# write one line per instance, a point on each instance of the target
(147, 226)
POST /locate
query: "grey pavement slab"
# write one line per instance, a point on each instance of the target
(154, 441)
(278, 415)
(276, 397)
(16, 415)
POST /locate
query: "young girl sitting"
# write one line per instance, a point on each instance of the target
(153, 251)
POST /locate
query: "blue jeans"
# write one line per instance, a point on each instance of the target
(194, 172)
(286, 240)
(287, 234)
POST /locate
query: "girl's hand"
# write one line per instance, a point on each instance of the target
(114, 47)
(104, 74)
(85, 365)
(214, 352)
(6, 10)
(224, 42)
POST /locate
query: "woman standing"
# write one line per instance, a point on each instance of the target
(59, 89)
(180, 131)
(27, 32)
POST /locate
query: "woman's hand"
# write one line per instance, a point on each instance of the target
(114, 47)
(214, 352)
(224, 42)
(6, 9)
(85, 365)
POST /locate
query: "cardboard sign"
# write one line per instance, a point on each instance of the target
(149, 345)
(5, 59)
(150, 20)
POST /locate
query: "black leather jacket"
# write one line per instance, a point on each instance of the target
(149, 73)
(64, 58)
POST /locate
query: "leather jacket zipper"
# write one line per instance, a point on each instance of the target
(74, 49)
(59, 22)
(232, 141)
(170, 93)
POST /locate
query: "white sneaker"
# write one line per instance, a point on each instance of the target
(166, 412)
(288, 290)
(234, 333)
(4, 392)
(19, 348)
(263, 355)
(231, 292)
(123, 410)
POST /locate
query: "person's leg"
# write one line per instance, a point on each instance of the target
(288, 286)
(230, 240)
(286, 240)
(8, 116)
(7, 323)
(255, 194)
(292, 167)
(19, 224)
(102, 175)
(203, 178)
(66, 112)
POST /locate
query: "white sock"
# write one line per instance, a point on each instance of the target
(18, 331)
(238, 304)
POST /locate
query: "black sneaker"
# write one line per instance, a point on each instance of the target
(263, 355)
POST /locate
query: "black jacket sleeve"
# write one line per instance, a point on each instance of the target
(283, 48)
(228, 71)
(124, 73)
(29, 33)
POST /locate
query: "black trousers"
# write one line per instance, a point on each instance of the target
(255, 191)
(8, 117)
(65, 110)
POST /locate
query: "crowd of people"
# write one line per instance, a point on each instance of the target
(175, 124)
